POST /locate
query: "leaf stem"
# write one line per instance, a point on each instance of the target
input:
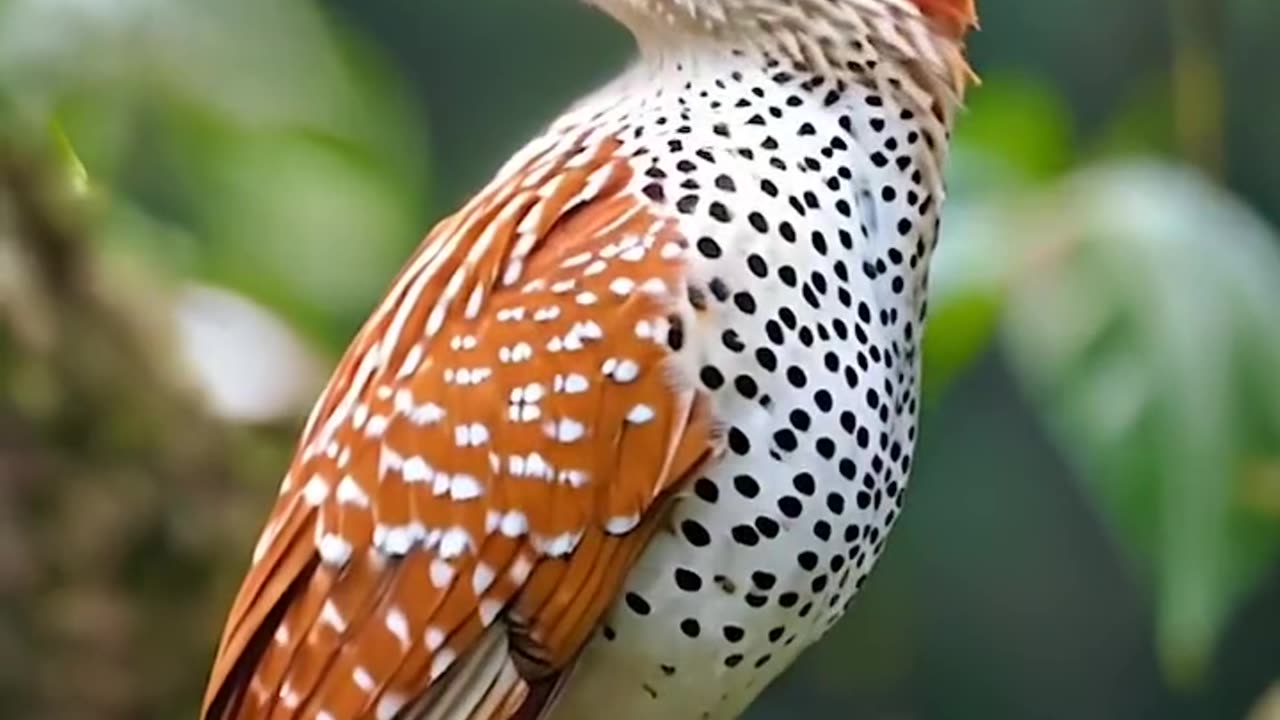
(1198, 27)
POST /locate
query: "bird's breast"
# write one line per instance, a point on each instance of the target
(808, 233)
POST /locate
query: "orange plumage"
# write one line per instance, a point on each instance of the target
(955, 16)
(478, 361)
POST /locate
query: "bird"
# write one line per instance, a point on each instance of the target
(630, 428)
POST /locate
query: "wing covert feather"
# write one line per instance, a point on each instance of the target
(490, 457)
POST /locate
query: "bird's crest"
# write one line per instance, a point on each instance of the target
(955, 17)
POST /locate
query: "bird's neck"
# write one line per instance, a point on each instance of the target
(862, 124)
(821, 35)
(672, 81)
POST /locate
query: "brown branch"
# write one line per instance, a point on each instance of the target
(125, 510)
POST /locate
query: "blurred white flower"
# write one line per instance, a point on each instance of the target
(250, 366)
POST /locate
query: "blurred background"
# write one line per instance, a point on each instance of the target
(200, 202)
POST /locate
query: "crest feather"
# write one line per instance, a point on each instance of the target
(956, 17)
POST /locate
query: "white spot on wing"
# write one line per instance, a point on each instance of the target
(520, 569)
(635, 254)
(441, 662)
(654, 286)
(396, 540)
(390, 705)
(622, 286)
(547, 314)
(433, 638)
(567, 430)
(350, 493)
(489, 610)
(482, 578)
(588, 330)
(575, 384)
(640, 413)
(441, 573)
(398, 625)
(376, 426)
(289, 696)
(412, 360)
(624, 371)
(363, 679)
(511, 275)
(576, 260)
(464, 487)
(557, 545)
(415, 470)
(334, 549)
(330, 616)
(265, 541)
(513, 524)
(621, 524)
(454, 542)
(316, 490)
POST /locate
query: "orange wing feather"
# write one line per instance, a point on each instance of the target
(488, 461)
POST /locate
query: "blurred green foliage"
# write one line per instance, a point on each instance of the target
(241, 128)
(1158, 375)
(1096, 517)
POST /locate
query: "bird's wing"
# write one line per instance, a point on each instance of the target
(489, 459)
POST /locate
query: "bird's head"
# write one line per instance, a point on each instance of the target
(931, 32)
(950, 18)
(953, 17)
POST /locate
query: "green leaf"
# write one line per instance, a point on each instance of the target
(77, 177)
(310, 225)
(1019, 123)
(1014, 134)
(1143, 323)
(278, 152)
(966, 294)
